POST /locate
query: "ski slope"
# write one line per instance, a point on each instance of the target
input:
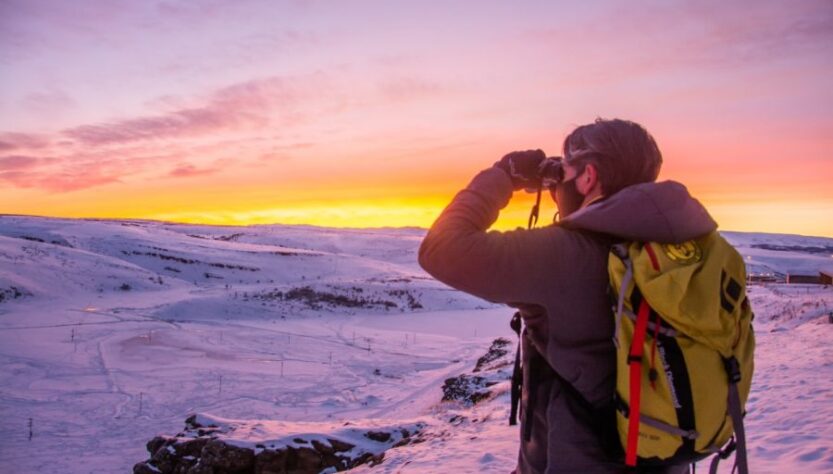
(112, 332)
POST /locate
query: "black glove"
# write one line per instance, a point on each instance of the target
(523, 167)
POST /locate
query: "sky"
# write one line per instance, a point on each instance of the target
(375, 113)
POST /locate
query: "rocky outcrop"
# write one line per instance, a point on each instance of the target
(211, 445)
(495, 357)
(492, 368)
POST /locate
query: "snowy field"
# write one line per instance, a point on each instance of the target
(112, 332)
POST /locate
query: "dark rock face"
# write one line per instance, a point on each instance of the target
(226, 458)
(380, 436)
(469, 389)
(491, 369)
(201, 450)
(492, 358)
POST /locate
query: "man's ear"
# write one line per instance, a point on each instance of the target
(588, 180)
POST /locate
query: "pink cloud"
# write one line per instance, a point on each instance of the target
(175, 124)
(189, 170)
(250, 104)
(19, 141)
(74, 171)
(16, 162)
(240, 118)
(58, 182)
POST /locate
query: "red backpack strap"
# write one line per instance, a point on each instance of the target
(635, 362)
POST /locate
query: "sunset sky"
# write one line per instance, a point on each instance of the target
(374, 113)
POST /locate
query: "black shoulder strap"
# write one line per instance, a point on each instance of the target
(517, 375)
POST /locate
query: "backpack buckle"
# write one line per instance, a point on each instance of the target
(732, 367)
(515, 323)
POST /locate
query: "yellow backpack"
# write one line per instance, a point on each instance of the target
(684, 350)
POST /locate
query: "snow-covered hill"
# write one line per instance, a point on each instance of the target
(112, 332)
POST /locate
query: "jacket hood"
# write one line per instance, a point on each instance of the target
(658, 212)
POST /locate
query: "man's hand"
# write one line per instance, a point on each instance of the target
(523, 167)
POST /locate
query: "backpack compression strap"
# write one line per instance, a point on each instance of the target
(738, 445)
(635, 363)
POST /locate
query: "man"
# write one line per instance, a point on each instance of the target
(558, 276)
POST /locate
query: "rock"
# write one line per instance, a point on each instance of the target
(322, 448)
(340, 445)
(271, 462)
(466, 388)
(379, 436)
(495, 352)
(307, 460)
(165, 459)
(191, 452)
(157, 442)
(328, 455)
(192, 447)
(191, 422)
(145, 468)
(227, 458)
(200, 468)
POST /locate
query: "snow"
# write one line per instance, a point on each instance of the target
(113, 332)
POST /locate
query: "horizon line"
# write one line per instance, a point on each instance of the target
(316, 226)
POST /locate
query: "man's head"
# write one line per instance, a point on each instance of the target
(604, 157)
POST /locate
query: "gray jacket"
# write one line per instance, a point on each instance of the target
(561, 270)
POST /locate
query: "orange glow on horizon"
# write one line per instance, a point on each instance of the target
(799, 216)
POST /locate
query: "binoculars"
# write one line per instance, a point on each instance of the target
(552, 171)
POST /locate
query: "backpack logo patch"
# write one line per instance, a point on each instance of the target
(684, 253)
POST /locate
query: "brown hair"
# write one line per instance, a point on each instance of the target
(623, 152)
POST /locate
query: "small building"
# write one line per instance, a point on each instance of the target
(826, 277)
(793, 278)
